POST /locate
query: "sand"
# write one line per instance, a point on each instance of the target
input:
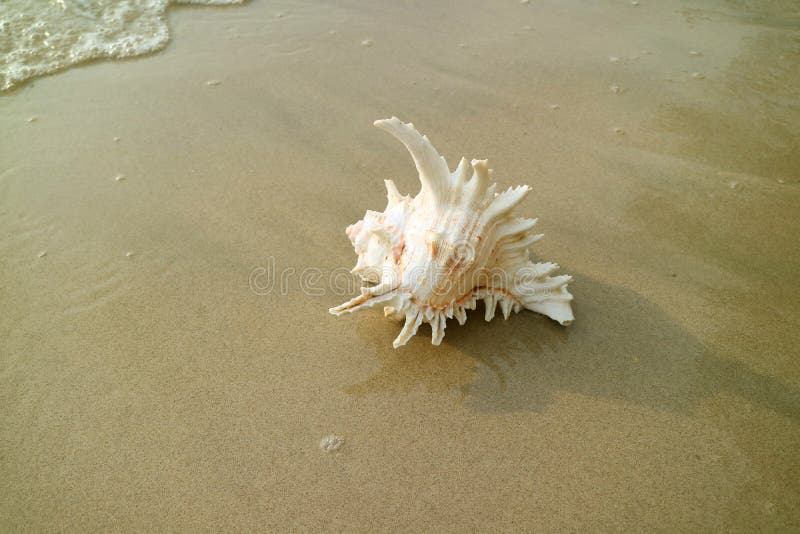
(145, 387)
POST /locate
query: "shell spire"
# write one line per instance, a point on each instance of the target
(434, 256)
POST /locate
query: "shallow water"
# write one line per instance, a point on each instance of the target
(157, 391)
(41, 37)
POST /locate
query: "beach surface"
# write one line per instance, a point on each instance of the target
(152, 379)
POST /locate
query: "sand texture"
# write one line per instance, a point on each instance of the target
(147, 387)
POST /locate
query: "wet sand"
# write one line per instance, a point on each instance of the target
(146, 387)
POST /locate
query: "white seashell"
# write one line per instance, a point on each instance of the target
(432, 257)
(331, 443)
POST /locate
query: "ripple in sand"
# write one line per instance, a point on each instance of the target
(96, 284)
(22, 234)
(331, 443)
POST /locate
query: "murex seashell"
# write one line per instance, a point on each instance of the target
(432, 257)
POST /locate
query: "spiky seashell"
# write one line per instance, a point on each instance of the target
(432, 257)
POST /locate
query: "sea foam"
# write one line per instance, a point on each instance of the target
(40, 37)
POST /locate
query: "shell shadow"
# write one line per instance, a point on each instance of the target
(621, 347)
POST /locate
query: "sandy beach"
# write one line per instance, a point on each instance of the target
(147, 386)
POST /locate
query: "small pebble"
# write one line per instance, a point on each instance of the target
(781, 181)
(367, 42)
(116, 139)
(733, 184)
(527, 28)
(33, 118)
(555, 106)
(616, 89)
(618, 131)
(213, 82)
(697, 76)
(119, 177)
(694, 53)
(613, 59)
(634, 3)
(42, 253)
(331, 443)
(524, 1)
(129, 254)
(462, 45)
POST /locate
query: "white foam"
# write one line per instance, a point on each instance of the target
(38, 37)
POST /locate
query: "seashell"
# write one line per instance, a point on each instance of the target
(432, 257)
